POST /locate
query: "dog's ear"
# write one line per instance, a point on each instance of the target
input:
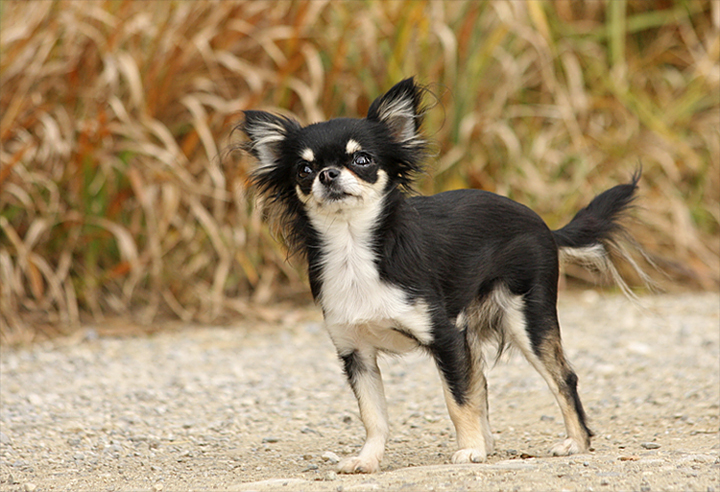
(266, 132)
(399, 108)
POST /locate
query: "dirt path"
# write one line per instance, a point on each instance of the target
(256, 407)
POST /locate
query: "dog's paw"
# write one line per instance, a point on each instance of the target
(567, 447)
(356, 464)
(469, 455)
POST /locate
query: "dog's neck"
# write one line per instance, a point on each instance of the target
(346, 234)
(338, 229)
(344, 269)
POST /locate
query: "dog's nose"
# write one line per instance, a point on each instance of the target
(327, 176)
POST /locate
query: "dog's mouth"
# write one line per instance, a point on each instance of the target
(336, 195)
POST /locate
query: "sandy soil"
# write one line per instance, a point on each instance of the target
(258, 406)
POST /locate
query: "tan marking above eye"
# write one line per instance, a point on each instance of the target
(308, 155)
(352, 146)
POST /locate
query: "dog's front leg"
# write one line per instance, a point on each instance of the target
(366, 381)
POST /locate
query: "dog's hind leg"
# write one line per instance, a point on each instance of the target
(532, 323)
(459, 361)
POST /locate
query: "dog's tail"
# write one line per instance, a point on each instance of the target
(595, 234)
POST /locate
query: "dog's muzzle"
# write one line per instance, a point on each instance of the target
(334, 184)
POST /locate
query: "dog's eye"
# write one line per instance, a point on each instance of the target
(361, 159)
(304, 171)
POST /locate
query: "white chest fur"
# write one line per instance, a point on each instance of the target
(359, 307)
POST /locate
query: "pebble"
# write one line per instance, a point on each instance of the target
(650, 445)
(30, 487)
(34, 399)
(628, 458)
(331, 457)
(5, 440)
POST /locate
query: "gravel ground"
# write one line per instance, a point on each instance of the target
(263, 406)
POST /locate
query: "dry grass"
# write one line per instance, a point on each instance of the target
(114, 200)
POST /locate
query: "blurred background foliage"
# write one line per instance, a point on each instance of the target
(116, 198)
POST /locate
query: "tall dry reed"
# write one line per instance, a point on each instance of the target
(115, 200)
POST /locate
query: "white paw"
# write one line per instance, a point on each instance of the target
(469, 455)
(357, 464)
(567, 447)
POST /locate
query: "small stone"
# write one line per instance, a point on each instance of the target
(650, 445)
(547, 418)
(330, 476)
(604, 482)
(91, 335)
(5, 440)
(307, 457)
(157, 487)
(74, 441)
(644, 488)
(113, 450)
(30, 487)
(34, 399)
(311, 467)
(270, 439)
(331, 457)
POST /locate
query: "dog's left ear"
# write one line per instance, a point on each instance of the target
(399, 108)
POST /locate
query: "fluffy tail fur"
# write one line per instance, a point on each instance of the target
(595, 233)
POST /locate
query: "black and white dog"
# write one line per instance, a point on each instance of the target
(446, 273)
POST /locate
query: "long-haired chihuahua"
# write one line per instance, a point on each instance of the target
(394, 272)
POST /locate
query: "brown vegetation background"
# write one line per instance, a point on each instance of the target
(116, 198)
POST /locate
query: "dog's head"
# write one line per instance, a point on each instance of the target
(341, 165)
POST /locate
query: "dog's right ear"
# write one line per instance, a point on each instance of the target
(266, 132)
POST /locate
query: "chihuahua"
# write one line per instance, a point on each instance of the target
(447, 273)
